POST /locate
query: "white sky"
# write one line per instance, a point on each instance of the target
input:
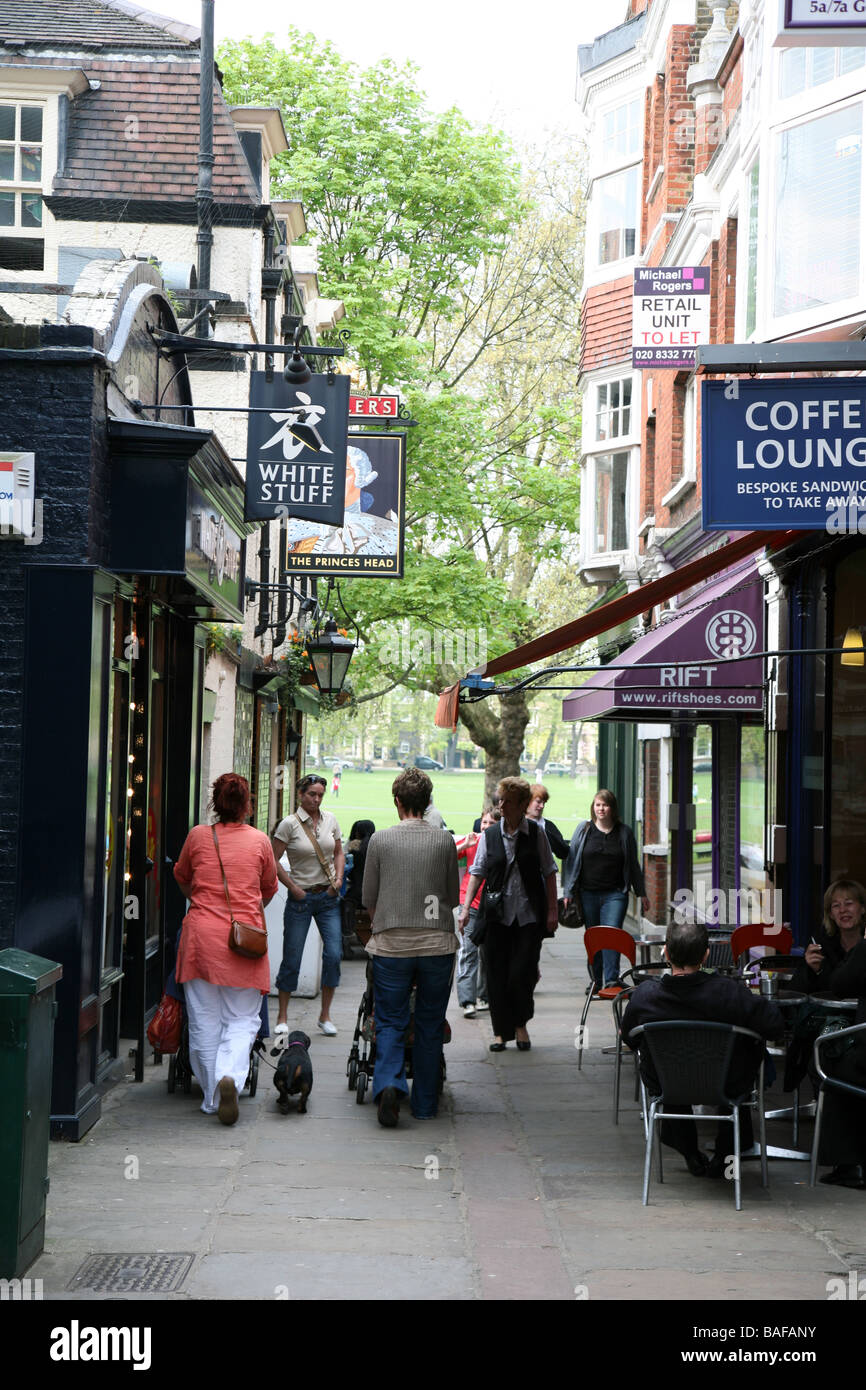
(512, 63)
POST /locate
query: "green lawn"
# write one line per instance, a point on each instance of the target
(458, 795)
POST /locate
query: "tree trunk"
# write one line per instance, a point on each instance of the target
(501, 737)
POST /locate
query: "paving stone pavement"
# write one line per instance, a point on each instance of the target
(522, 1188)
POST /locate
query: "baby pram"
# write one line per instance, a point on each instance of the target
(180, 1071)
(362, 1056)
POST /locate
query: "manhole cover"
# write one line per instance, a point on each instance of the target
(132, 1273)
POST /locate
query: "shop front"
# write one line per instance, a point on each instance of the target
(692, 689)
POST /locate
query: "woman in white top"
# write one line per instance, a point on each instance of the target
(312, 843)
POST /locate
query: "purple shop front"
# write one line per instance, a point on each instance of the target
(703, 659)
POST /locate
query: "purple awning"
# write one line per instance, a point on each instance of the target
(722, 622)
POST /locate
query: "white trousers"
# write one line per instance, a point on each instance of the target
(223, 1023)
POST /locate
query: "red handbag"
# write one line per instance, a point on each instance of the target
(164, 1029)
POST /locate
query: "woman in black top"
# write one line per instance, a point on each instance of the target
(836, 961)
(601, 867)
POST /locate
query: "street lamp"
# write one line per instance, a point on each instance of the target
(293, 743)
(330, 654)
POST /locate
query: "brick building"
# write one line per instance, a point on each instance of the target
(117, 708)
(712, 148)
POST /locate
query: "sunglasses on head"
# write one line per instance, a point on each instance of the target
(308, 782)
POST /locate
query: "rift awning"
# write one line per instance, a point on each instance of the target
(698, 661)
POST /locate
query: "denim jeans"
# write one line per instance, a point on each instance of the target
(471, 982)
(393, 977)
(604, 910)
(296, 923)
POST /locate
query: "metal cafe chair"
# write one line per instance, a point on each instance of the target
(831, 1083)
(692, 1061)
(603, 939)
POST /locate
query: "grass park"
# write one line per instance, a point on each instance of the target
(459, 796)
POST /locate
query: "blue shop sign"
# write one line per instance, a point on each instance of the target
(782, 455)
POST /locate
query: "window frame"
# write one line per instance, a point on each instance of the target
(18, 186)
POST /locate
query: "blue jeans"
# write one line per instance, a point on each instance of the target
(471, 981)
(604, 910)
(296, 923)
(393, 977)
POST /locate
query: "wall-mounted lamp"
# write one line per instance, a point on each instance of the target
(330, 654)
(853, 653)
(293, 743)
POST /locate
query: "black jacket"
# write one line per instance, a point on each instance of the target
(527, 864)
(808, 981)
(631, 869)
(711, 998)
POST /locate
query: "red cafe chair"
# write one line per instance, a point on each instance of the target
(603, 939)
(777, 938)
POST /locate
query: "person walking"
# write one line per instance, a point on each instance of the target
(536, 811)
(471, 975)
(226, 871)
(515, 858)
(311, 840)
(411, 886)
(601, 867)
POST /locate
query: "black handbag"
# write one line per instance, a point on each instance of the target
(570, 914)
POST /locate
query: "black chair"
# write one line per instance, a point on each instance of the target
(831, 1083)
(618, 1007)
(692, 1061)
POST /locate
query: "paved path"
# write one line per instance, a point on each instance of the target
(522, 1188)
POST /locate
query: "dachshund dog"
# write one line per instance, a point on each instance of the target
(294, 1073)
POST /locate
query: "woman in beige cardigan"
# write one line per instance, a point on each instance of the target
(411, 886)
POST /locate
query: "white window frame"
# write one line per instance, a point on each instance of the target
(777, 116)
(606, 164)
(689, 475)
(593, 448)
(17, 185)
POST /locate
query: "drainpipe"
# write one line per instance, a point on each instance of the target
(204, 191)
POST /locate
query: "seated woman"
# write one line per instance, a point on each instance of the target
(836, 962)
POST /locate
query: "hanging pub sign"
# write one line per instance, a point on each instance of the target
(369, 543)
(670, 315)
(821, 23)
(374, 407)
(296, 448)
(781, 455)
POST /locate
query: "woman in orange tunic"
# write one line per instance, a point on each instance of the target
(222, 990)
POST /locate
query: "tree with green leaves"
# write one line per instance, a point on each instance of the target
(460, 274)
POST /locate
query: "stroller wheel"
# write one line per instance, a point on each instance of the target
(362, 1087)
(352, 1073)
(253, 1078)
(186, 1084)
(172, 1073)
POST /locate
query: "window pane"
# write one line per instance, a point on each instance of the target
(7, 162)
(752, 268)
(823, 65)
(611, 479)
(852, 58)
(621, 131)
(792, 72)
(617, 214)
(31, 164)
(31, 122)
(7, 122)
(31, 210)
(817, 212)
(7, 209)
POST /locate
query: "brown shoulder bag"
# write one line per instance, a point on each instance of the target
(245, 939)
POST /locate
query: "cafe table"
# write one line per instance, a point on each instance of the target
(788, 1000)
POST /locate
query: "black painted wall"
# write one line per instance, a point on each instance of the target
(52, 402)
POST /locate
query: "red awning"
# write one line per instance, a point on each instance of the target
(619, 610)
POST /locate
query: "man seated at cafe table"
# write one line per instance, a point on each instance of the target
(690, 993)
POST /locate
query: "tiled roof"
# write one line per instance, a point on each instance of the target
(102, 22)
(605, 324)
(137, 136)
